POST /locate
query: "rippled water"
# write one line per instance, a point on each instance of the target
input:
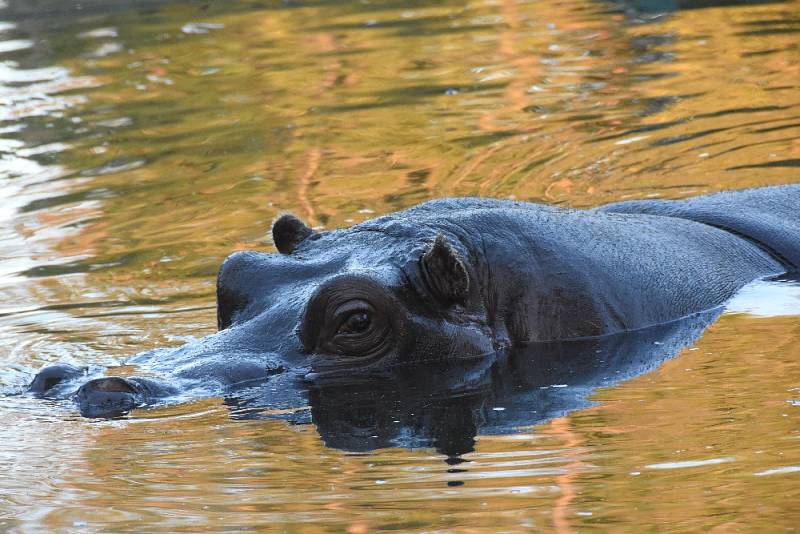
(142, 141)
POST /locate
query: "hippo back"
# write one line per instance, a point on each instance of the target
(768, 216)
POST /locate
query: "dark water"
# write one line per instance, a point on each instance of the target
(142, 141)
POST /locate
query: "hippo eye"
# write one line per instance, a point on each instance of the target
(357, 329)
(346, 322)
(355, 323)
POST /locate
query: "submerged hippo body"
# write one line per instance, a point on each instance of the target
(468, 282)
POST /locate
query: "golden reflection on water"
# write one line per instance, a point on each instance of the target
(155, 145)
(696, 445)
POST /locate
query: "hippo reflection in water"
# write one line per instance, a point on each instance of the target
(446, 301)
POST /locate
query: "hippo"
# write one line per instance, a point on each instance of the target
(448, 297)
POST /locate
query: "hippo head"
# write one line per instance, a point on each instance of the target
(333, 307)
(352, 303)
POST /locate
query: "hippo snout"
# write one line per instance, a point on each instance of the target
(109, 397)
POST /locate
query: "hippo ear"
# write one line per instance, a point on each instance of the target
(288, 231)
(444, 272)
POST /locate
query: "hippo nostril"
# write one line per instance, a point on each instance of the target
(49, 377)
(50, 382)
(112, 384)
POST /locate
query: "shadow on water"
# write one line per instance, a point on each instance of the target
(446, 406)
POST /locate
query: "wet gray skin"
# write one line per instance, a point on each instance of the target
(447, 282)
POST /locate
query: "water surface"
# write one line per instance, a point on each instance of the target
(141, 142)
